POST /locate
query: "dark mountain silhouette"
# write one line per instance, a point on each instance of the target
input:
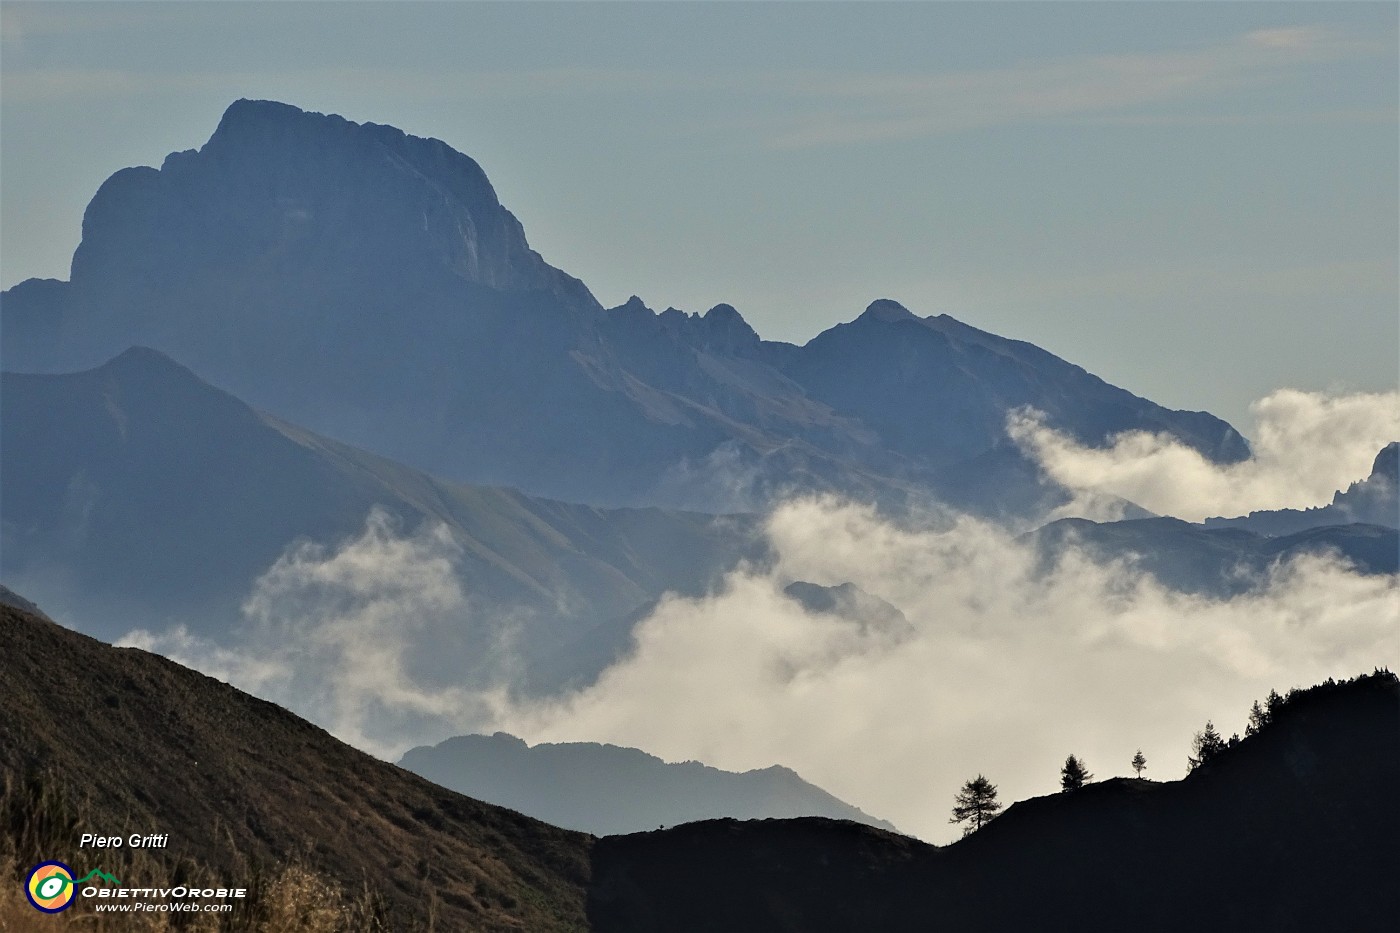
(140, 744)
(1292, 830)
(606, 789)
(1374, 500)
(368, 285)
(1212, 560)
(162, 498)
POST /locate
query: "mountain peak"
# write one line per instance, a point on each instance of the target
(727, 329)
(887, 311)
(244, 112)
(311, 198)
(1387, 462)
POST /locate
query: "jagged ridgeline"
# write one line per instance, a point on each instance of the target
(368, 285)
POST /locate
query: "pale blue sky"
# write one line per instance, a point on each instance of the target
(1195, 201)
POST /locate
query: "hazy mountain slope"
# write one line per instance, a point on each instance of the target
(954, 385)
(1293, 830)
(369, 286)
(1374, 500)
(163, 497)
(1212, 560)
(239, 783)
(605, 789)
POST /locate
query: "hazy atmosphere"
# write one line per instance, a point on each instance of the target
(1195, 201)
(896, 393)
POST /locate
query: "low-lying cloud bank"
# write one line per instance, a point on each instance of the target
(1005, 670)
(1005, 667)
(1306, 446)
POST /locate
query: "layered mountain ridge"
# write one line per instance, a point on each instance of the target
(164, 498)
(608, 789)
(369, 285)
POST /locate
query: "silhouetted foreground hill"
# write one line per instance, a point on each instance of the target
(1293, 829)
(148, 746)
(606, 789)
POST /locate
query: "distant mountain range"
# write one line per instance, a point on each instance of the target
(607, 790)
(1291, 830)
(1212, 560)
(369, 286)
(162, 498)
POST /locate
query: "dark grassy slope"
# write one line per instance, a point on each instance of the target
(1294, 829)
(235, 781)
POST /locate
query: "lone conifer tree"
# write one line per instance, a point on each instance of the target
(1073, 775)
(1139, 762)
(976, 804)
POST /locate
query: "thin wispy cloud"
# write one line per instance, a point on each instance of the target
(1105, 88)
(800, 108)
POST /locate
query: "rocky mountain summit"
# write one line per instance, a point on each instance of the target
(369, 285)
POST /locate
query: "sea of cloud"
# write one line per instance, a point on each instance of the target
(1007, 665)
(1005, 669)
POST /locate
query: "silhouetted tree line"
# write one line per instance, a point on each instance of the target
(976, 803)
(1208, 743)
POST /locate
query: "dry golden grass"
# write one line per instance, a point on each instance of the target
(37, 816)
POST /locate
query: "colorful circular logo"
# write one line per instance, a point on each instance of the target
(49, 887)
